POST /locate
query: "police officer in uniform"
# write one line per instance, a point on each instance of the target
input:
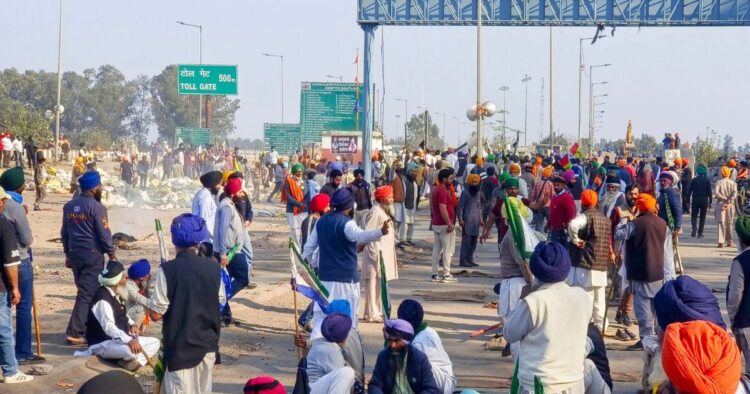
(86, 237)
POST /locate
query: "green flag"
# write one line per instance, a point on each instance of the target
(384, 290)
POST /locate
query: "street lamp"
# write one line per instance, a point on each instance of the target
(580, 77)
(426, 125)
(397, 122)
(406, 110)
(445, 142)
(591, 94)
(58, 107)
(341, 79)
(525, 81)
(504, 89)
(282, 81)
(200, 61)
(458, 123)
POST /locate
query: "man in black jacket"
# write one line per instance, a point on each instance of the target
(400, 364)
(700, 194)
(187, 296)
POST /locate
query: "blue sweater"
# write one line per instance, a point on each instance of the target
(338, 255)
(674, 203)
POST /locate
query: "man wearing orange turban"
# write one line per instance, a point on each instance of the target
(590, 233)
(725, 193)
(381, 213)
(540, 197)
(701, 357)
(469, 216)
(644, 262)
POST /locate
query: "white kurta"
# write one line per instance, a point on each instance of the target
(385, 245)
(117, 347)
(430, 344)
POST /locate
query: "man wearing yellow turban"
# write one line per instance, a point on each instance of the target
(726, 194)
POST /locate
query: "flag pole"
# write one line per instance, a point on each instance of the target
(356, 89)
(296, 323)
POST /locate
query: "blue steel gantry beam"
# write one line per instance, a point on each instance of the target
(555, 12)
(372, 13)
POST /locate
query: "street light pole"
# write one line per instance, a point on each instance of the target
(591, 101)
(480, 148)
(397, 122)
(591, 109)
(282, 81)
(458, 129)
(59, 84)
(504, 89)
(406, 121)
(341, 79)
(580, 78)
(525, 81)
(445, 143)
(200, 61)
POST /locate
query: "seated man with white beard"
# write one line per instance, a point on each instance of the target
(110, 333)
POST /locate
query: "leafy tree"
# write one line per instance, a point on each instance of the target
(138, 117)
(110, 96)
(223, 110)
(557, 139)
(25, 122)
(416, 131)
(646, 145)
(728, 147)
(707, 150)
(94, 138)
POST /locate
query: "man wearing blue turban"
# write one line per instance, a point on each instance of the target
(336, 236)
(187, 294)
(551, 323)
(86, 237)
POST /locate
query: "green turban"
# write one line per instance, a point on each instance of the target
(742, 226)
(491, 157)
(595, 164)
(511, 182)
(12, 179)
(701, 170)
(297, 167)
(503, 177)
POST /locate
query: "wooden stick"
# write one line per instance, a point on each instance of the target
(296, 324)
(36, 323)
(482, 331)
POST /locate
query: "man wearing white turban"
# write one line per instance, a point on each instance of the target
(110, 333)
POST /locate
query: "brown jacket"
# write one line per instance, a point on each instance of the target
(597, 234)
(399, 195)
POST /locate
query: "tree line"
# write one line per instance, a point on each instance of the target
(102, 105)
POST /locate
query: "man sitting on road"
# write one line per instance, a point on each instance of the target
(110, 333)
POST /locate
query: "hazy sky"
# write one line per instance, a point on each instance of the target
(663, 79)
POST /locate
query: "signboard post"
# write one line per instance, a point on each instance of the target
(286, 137)
(193, 136)
(206, 79)
(328, 106)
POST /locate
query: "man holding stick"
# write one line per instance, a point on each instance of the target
(8, 289)
(187, 294)
(14, 184)
(337, 236)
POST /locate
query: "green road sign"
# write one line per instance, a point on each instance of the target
(328, 106)
(193, 136)
(206, 79)
(284, 136)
